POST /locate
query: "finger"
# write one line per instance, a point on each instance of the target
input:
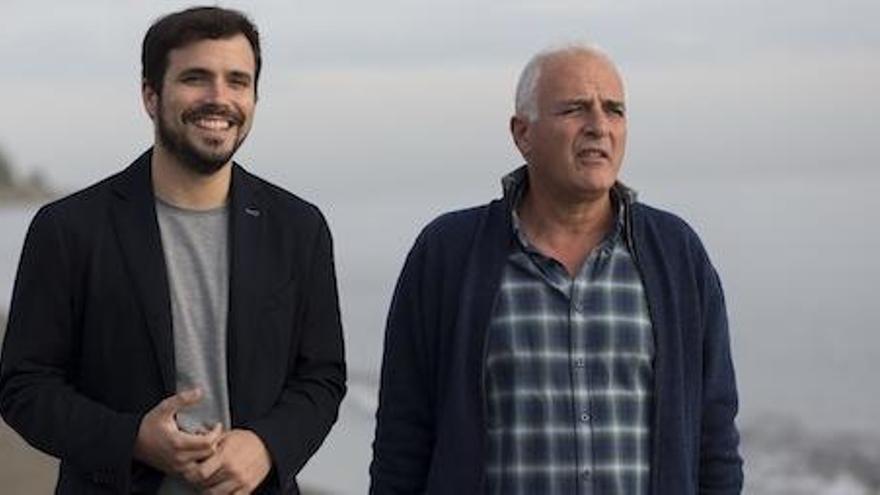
(215, 434)
(209, 470)
(223, 488)
(208, 441)
(182, 457)
(191, 474)
(203, 444)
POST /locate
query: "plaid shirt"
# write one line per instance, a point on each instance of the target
(569, 374)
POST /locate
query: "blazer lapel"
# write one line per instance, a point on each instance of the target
(138, 232)
(247, 217)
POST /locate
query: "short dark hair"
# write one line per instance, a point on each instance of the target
(179, 29)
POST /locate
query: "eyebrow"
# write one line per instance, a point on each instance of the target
(234, 74)
(607, 102)
(241, 75)
(194, 71)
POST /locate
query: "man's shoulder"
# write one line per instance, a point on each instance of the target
(457, 225)
(279, 199)
(662, 222)
(667, 235)
(84, 203)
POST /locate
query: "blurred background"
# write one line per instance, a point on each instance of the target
(755, 120)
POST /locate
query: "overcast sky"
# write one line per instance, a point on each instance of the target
(755, 119)
(403, 88)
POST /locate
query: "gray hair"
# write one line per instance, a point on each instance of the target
(526, 103)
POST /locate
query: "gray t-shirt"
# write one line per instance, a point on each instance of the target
(196, 245)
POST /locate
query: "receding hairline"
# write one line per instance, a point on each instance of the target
(525, 104)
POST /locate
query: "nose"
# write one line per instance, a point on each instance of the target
(596, 123)
(217, 90)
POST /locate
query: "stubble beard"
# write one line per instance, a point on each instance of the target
(187, 153)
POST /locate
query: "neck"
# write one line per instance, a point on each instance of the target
(565, 231)
(176, 184)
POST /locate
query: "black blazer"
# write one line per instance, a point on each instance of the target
(89, 346)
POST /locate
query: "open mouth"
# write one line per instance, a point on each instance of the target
(213, 123)
(213, 118)
(593, 154)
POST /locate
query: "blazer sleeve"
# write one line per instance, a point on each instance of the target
(38, 359)
(315, 385)
(720, 462)
(405, 428)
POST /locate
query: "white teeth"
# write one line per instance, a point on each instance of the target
(213, 124)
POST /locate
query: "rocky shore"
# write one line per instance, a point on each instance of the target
(784, 458)
(16, 189)
(25, 194)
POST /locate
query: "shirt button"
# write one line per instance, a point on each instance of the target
(586, 474)
(579, 363)
(585, 416)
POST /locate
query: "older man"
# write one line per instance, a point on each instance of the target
(175, 327)
(565, 338)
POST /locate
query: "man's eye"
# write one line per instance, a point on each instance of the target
(617, 110)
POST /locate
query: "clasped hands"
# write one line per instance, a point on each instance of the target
(217, 462)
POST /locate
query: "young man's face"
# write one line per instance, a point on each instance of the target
(206, 105)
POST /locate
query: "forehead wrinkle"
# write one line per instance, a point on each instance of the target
(586, 97)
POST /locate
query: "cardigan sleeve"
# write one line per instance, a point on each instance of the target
(404, 420)
(720, 462)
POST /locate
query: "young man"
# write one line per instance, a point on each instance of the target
(566, 338)
(175, 327)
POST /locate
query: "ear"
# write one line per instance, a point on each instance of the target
(151, 100)
(519, 129)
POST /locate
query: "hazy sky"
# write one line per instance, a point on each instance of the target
(357, 91)
(756, 120)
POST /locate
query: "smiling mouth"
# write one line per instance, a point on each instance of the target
(212, 117)
(213, 123)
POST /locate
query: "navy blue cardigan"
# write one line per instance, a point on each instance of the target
(430, 432)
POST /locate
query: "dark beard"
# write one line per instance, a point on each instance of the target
(190, 157)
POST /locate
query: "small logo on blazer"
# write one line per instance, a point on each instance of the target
(252, 211)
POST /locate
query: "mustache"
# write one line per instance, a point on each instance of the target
(214, 110)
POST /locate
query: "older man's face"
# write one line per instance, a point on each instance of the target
(575, 146)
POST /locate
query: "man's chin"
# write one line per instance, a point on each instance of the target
(211, 156)
(205, 163)
(211, 165)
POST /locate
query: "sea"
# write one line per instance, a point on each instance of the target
(799, 266)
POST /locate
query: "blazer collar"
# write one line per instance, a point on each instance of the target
(137, 228)
(250, 262)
